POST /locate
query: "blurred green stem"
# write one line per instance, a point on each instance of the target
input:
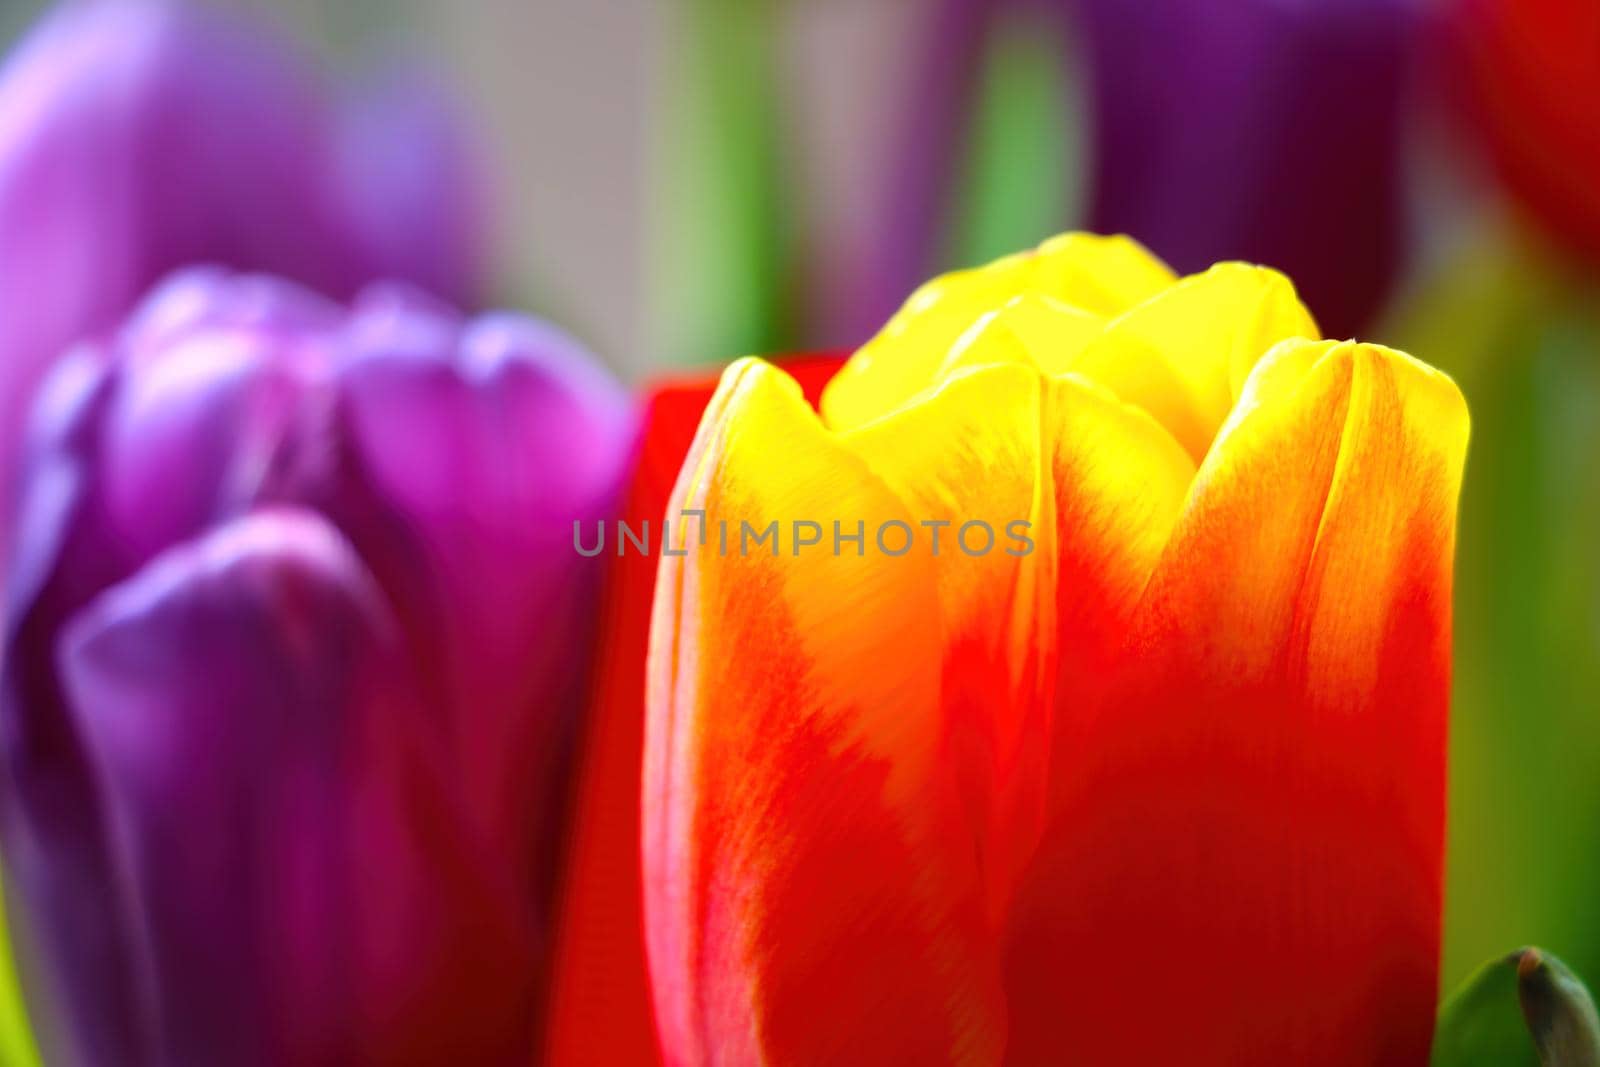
(16, 1037)
(726, 248)
(1020, 179)
(1523, 341)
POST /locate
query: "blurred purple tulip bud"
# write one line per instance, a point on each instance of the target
(138, 137)
(296, 640)
(417, 181)
(1262, 130)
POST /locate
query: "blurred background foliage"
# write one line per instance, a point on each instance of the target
(686, 181)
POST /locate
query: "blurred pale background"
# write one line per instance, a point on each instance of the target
(610, 128)
(583, 106)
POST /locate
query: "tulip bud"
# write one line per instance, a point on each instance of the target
(1520, 66)
(1292, 159)
(1268, 132)
(1559, 1011)
(296, 646)
(1199, 719)
(137, 138)
(1526, 1008)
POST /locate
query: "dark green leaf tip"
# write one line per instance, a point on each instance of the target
(1524, 1009)
(1558, 1009)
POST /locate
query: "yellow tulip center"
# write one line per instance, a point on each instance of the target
(1100, 308)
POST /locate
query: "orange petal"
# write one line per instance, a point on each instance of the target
(971, 463)
(907, 700)
(1120, 484)
(600, 1008)
(1252, 843)
(809, 871)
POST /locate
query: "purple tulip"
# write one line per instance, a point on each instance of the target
(416, 181)
(1262, 130)
(297, 635)
(139, 137)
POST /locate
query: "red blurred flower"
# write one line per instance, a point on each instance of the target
(1531, 75)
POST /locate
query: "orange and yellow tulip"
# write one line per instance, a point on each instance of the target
(1157, 776)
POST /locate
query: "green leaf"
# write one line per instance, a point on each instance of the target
(16, 1039)
(1560, 1013)
(1526, 1009)
(1019, 178)
(1519, 332)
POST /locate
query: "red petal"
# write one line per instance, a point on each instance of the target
(600, 1009)
(1246, 866)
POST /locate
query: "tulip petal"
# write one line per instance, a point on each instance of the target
(1098, 485)
(983, 434)
(1184, 355)
(1259, 805)
(417, 187)
(139, 138)
(207, 411)
(1031, 329)
(795, 792)
(72, 951)
(135, 139)
(1120, 483)
(200, 407)
(600, 1008)
(1100, 275)
(180, 753)
(478, 447)
(260, 757)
